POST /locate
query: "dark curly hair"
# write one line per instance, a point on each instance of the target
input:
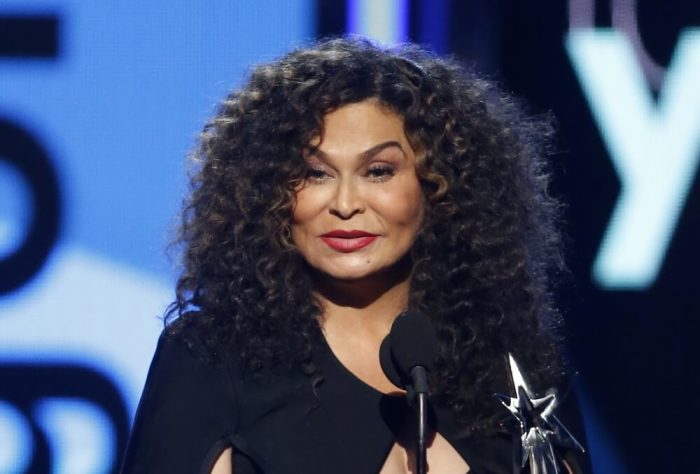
(482, 262)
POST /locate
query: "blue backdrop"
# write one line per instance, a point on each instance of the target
(111, 106)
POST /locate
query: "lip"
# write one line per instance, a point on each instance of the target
(348, 240)
(348, 234)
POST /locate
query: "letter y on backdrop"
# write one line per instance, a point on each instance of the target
(654, 147)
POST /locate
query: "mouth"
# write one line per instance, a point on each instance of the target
(348, 240)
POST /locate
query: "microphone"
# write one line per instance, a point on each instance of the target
(406, 356)
(407, 353)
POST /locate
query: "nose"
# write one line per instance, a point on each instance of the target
(348, 199)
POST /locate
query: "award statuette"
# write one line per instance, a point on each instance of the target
(540, 430)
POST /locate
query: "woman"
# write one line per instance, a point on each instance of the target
(343, 184)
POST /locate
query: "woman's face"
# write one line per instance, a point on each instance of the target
(361, 205)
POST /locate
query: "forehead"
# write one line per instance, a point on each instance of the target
(358, 127)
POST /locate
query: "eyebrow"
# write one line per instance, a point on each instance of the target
(365, 155)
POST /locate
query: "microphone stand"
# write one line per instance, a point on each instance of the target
(421, 461)
(420, 391)
(405, 356)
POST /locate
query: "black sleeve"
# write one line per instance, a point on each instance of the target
(187, 413)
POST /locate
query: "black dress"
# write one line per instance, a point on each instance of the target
(190, 411)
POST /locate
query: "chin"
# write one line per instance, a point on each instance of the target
(360, 270)
(349, 275)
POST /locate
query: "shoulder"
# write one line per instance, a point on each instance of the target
(205, 337)
(184, 365)
(188, 361)
(190, 329)
(188, 405)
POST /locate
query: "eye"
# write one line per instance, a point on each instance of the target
(316, 175)
(380, 172)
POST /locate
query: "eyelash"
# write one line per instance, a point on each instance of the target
(380, 173)
(376, 174)
(316, 175)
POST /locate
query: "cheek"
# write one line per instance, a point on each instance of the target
(306, 216)
(403, 207)
(306, 206)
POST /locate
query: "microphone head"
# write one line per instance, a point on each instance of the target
(412, 341)
(388, 364)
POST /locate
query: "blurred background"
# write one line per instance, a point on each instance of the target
(101, 101)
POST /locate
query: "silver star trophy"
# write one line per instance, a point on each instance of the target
(540, 429)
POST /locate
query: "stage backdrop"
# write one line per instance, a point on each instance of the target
(99, 104)
(101, 101)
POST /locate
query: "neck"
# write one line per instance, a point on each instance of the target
(367, 306)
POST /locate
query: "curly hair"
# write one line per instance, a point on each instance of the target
(483, 260)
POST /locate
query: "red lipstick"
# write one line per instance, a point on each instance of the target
(348, 240)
